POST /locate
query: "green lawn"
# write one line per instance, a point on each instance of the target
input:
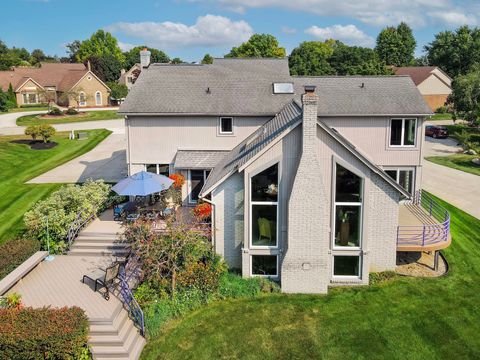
(90, 116)
(404, 318)
(441, 116)
(457, 161)
(30, 108)
(18, 164)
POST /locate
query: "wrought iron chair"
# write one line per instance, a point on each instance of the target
(109, 280)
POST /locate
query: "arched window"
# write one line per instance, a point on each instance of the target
(82, 99)
(98, 98)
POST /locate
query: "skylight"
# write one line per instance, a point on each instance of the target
(282, 88)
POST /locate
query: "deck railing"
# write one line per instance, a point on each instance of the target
(76, 226)
(426, 234)
(134, 310)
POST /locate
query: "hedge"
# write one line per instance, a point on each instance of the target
(43, 333)
(15, 252)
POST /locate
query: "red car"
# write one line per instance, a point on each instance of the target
(436, 131)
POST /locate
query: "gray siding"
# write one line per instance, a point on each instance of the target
(155, 140)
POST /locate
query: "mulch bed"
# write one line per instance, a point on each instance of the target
(419, 264)
(37, 144)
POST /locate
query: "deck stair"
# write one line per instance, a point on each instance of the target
(98, 244)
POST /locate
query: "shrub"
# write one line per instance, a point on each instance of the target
(55, 111)
(178, 179)
(43, 333)
(71, 111)
(441, 110)
(15, 252)
(62, 208)
(46, 131)
(118, 91)
(33, 131)
(382, 277)
(11, 301)
(26, 106)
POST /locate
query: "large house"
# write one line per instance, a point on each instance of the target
(128, 77)
(64, 84)
(306, 175)
(434, 84)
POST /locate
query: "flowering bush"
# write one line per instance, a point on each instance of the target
(203, 211)
(178, 179)
(61, 209)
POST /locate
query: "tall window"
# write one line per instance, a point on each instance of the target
(402, 132)
(226, 126)
(348, 208)
(264, 208)
(196, 180)
(404, 177)
(82, 99)
(98, 98)
(30, 98)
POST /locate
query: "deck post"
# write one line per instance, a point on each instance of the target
(435, 260)
(423, 236)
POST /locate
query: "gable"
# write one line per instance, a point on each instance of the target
(89, 80)
(433, 85)
(28, 85)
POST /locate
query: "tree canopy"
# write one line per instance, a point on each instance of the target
(207, 59)
(396, 46)
(107, 67)
(100, 44)
(132, 56)
(465, 95)
(311, 58)
(455, 52)
(259, 45)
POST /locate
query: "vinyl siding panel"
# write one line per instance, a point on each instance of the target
(433, 86)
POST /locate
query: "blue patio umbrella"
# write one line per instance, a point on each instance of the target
(142, 184)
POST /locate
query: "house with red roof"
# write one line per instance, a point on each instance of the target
(64, 84)
(433, 83)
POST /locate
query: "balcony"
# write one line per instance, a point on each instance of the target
(424, 225)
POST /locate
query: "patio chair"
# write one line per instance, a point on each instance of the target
(108, 280)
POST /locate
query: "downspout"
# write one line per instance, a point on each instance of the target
(213, 218)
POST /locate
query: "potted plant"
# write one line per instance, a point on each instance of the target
(344, 216)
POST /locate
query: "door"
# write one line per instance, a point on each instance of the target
(196, 180)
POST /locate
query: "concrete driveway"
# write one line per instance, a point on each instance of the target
(454, 186)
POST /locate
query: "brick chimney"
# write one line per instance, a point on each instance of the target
(144, 58)
(306, 263)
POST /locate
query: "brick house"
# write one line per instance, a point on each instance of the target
(311, 179)
(434, 84)
(61, 83)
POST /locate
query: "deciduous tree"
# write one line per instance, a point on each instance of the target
(100, 44)
(132, 56)
(396, 46)
(312, 58)
(259, 45)
(207, 59)
(465, 95)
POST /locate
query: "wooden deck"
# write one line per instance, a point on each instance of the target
(415, 217)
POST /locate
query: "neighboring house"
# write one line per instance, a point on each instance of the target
(431, 81)
(306, 174)
(58, 82)
(127, 77)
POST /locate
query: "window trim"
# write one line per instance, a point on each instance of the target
(335, 203)
(402, 136)
(348, 277)
(80, 102)
(413, 169)
(101, 98)
(225, 133)
(189, 184)
(264, 276)
(270, 203)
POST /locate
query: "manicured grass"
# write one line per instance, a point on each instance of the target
(403, 318)
(457, 161)
(18, 164)
(89, 116)
(31, 108)
(441, 116)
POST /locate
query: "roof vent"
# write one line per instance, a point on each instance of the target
(283, 88)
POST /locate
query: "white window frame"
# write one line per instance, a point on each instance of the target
(101, 100)
(26, 96)
(225, 133)
(268, 203)
(84, 102)
(189, 183)
(157, 168)
(397, 178)
(335, 203)
(402, 137)
(259, 275)
(348, 277)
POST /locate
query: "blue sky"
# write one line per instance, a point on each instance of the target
(191, 28)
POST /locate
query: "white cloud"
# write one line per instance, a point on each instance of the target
(208, 31)
(348, 34)
(288, 30)
(125, 46)
(416, 13)
(454, 18)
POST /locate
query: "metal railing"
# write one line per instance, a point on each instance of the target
(128, 299)
(76, 226)
(426, 234)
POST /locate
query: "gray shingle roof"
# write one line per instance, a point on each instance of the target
(244, 87)
(290, 115)
(198, 159)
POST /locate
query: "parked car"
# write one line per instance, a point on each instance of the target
(436, 131)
